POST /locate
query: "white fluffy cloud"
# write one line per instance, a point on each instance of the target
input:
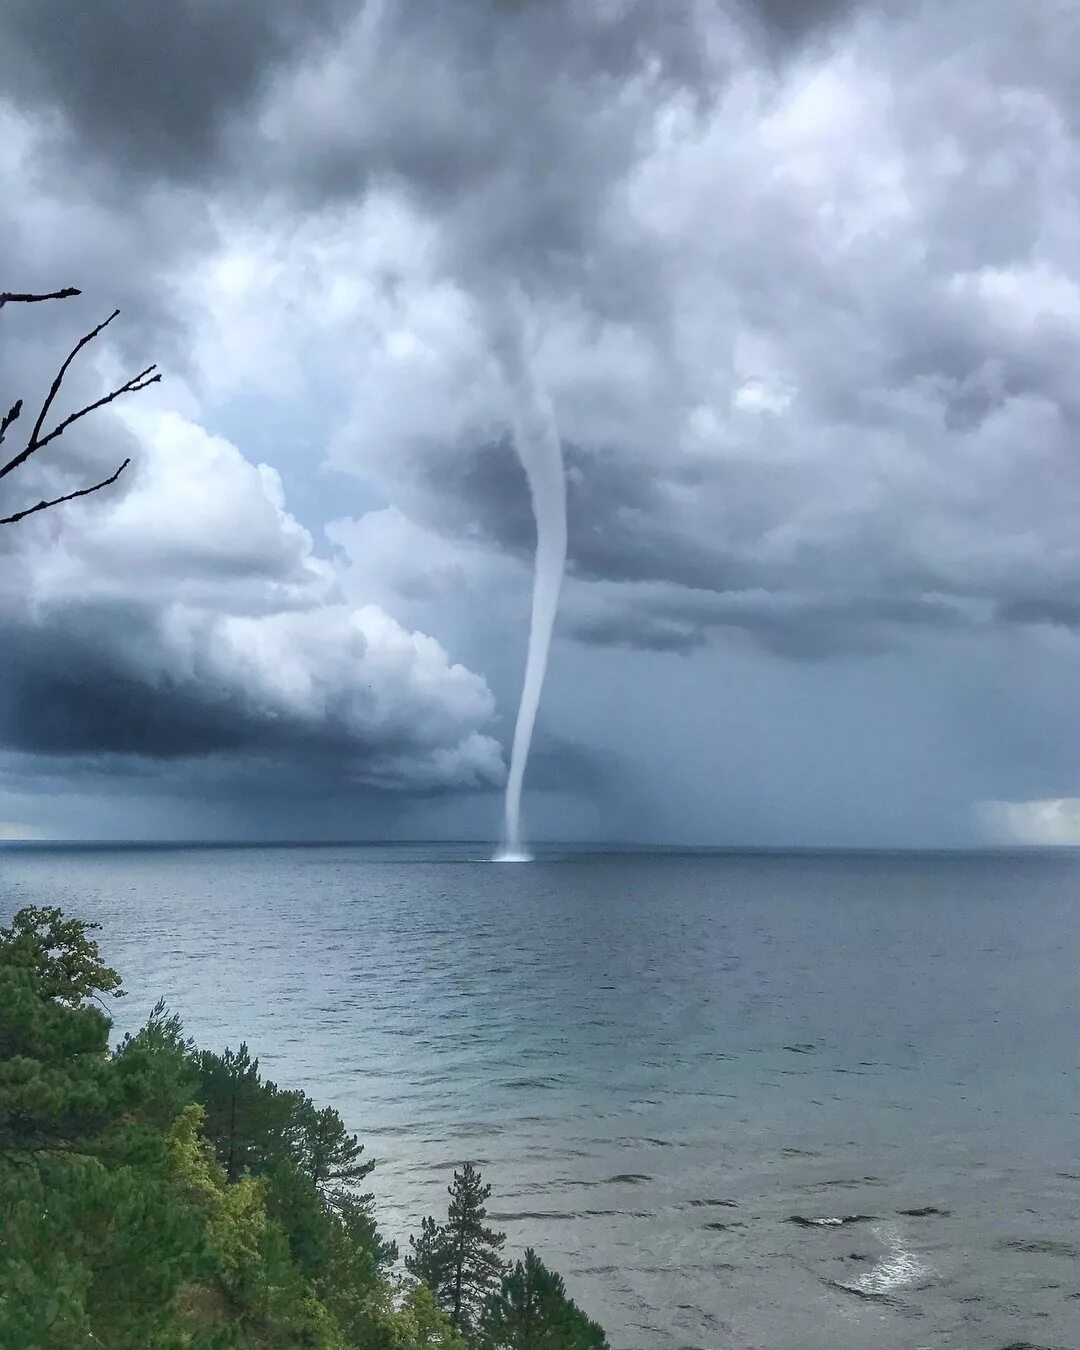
(194, 583)
(194, 523)
(1051, 822)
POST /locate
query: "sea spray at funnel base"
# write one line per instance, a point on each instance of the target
(536, 439)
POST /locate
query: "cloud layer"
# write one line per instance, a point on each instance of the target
(803, 279)
(186, 615)
(809, 323)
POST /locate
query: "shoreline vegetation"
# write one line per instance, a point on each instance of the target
(157, 1196)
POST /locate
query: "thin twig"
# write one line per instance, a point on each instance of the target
(54, 388)
(29, 298)
(141, 381)
(69, 497)
(10, 416)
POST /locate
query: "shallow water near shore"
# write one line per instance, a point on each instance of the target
(671, 1067)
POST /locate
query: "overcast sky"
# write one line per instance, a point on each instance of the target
(804, 294)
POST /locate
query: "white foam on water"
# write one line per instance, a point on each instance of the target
(896, 1269)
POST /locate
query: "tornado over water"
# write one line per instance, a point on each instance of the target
(536, 439)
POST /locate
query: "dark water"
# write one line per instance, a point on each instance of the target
(657, 1060)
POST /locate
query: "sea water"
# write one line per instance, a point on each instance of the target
(660, 1061)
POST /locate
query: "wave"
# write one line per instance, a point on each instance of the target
(1043, 1247)
(554, 1080)
(560, 1215)
(830, 1221)
(841, 1184)
(897, 1268)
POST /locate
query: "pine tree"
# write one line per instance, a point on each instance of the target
(469, 1265)
(324, 1149)
(164, 1061)
(531, 1311)
(56, 1088)
(230, 1091)
(256, 1126)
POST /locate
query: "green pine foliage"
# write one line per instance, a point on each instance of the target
(531, 1311)
(324, 1149)
(241, 1115)
(92, 1255)
(159, 1197)
(429, 1257)
(55, 1084)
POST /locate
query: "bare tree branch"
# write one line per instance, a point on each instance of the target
(38, 437)
(69, 497)
(9, 417)
(36, 441)
(54, 389)
(29, 298)
(132, 386)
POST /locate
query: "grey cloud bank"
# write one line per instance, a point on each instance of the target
(809, 317)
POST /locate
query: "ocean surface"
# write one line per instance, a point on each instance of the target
(659, 1060)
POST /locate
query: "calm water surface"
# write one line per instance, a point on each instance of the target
(659, 1059)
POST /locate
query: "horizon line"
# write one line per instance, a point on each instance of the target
(578, 846)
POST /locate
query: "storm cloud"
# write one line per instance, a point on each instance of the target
(188, 616)
(804, 279)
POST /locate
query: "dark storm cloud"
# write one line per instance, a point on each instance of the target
(670, 619)
(255, 797)
(71, 688)
(928, 351)
(788, 23)
(150, 89)
(156, 93)
(615, 516)
(532, 134)
(533, 120)
(153, 92)
(102, 680)
(530, 116)
(1061, 611)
